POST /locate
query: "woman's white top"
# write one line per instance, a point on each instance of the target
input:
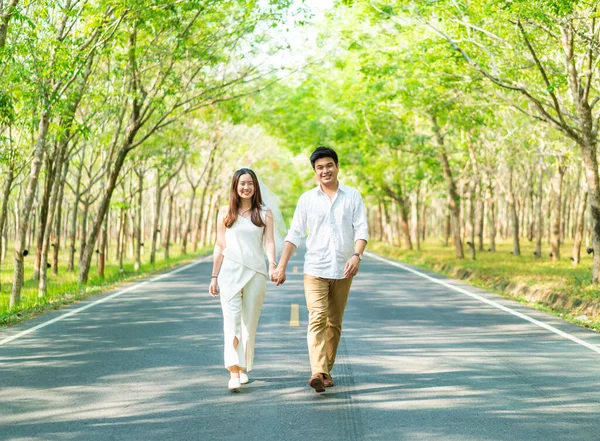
(244, 244)
(243, 256)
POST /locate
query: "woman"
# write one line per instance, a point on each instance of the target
(244, 234)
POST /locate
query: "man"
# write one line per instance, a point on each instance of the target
(332, 218)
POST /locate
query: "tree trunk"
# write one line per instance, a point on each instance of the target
(57, 231)
(5, 15)
(54, 178)
(167, 239)
(415, 220)
(8, 180)
(447, 229)
(121, 237)
(43, 219)
(556, 185)
(380, 219)
(15, 293)
(73, 232)
(538, 213)
(200, 218)
(156, 219)
(580, 228)
(103, 208)
(138, 221)
(188, 227)
(481, 219)
(491, 215)
(472, 196)
(454, 197)
(512, 209)
(454, 206)
(103, 246)
(404, 208)
(84, 225)
(589, 152)
(208, 182)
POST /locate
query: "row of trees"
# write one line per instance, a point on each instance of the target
(108, 108)
(458, 119)
(120, 122)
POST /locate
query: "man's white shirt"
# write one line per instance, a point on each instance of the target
(331, 227)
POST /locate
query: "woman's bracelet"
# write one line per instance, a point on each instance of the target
(214, 277)
(273, 263)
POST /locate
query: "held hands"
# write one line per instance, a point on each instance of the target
(277, 275)
(213, 289)
(351, 268)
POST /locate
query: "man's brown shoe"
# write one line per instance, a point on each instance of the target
(316, 382)
(327, 380)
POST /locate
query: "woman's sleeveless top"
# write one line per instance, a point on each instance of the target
(244, 244)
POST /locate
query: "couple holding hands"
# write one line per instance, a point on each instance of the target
(332, 219)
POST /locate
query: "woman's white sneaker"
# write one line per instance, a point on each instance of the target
(234, 384)
(244, 378)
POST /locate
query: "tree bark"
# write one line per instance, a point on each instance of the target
(5, 16)
(400, 198)
(472, 198)
(138, 220)
(481, 220)
(156, 219)
(8, 181)
(454, 197)
(512, 207)
(86, 258)
(580, 228)
(491, 215)
(84, 226)
(121, 237)
(15, 293)
(74, 214)
(43, 218)
(61, 156)
(556, 185)
(102, 250)
(538, 212)
(57, 230)
(188, 227)
(208, 182)
(415, 220)
(167, 239)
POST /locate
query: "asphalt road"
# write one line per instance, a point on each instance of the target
(419, 360)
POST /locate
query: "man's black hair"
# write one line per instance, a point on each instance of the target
(323, 152)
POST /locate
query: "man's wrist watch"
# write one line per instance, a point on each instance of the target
(358, 255)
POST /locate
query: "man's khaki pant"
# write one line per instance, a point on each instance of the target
(326, 300)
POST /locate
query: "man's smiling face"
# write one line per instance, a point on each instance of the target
(326, 171)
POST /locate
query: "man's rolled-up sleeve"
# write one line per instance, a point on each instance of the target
(297, 231)
(359, 221)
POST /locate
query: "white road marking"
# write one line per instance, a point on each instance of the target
(102, 300)
(550, 328)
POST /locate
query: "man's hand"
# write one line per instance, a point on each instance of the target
(351, 268)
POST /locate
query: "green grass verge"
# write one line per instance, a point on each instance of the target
(501, 272)
(64, 289)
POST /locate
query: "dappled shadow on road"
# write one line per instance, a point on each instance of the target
(417, 362)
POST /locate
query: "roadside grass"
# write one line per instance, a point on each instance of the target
(501, 270)
(64, 288)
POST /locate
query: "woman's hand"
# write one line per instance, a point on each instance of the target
(272, 270)
(213, 289)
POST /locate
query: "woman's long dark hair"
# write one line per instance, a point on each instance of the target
(235, 200)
